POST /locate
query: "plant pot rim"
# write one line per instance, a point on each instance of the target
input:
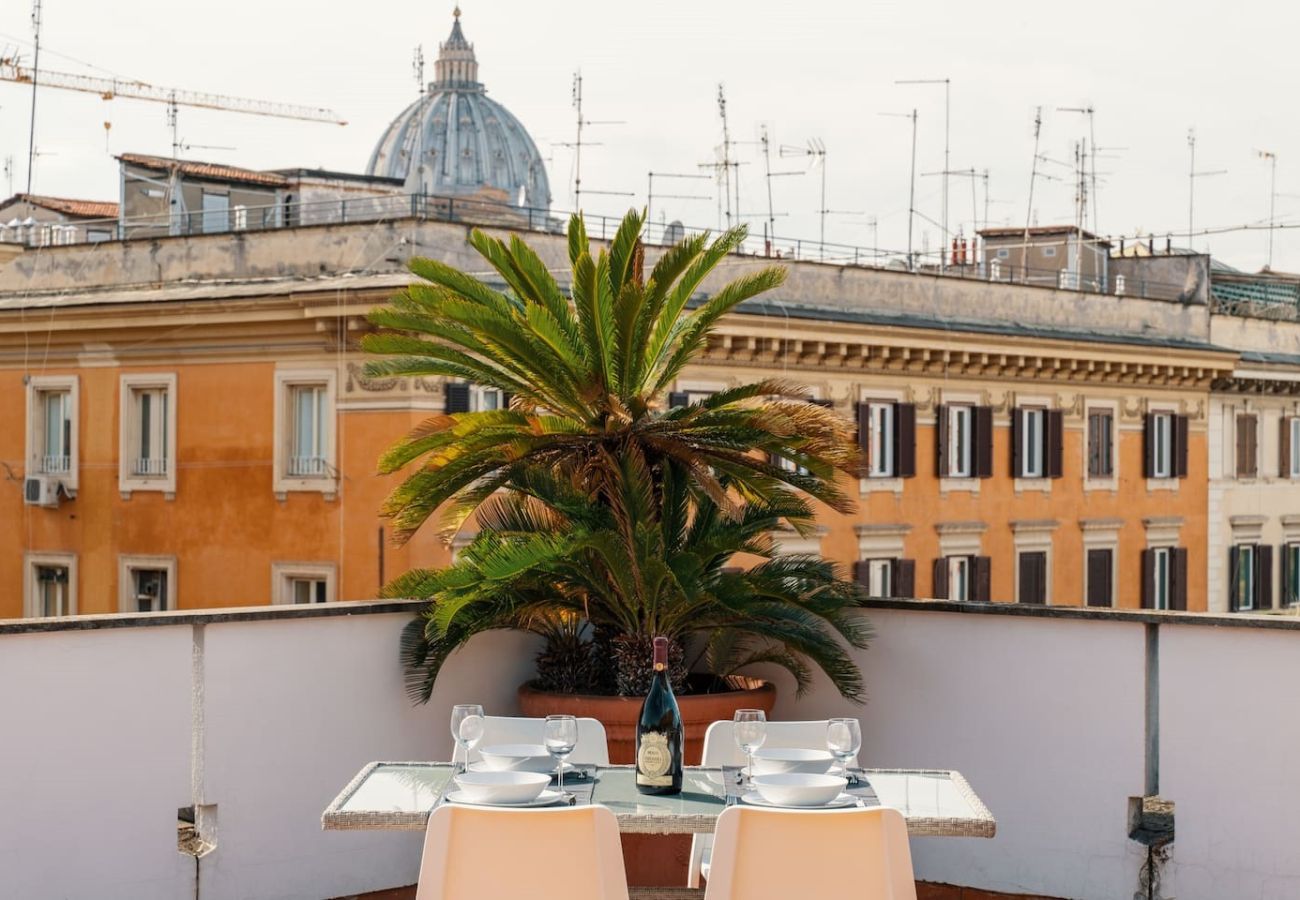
(746, 685)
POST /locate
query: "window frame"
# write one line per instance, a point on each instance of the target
(880, 415)
(1293, 423)
(961, 439)
(962, 563)
(283, 574)
(128, 480)
(1245, 468)
(128, 565)
(880, 571)
(1033, 441)
(286, 380)
(1162, 562)
(477, 393)
(47, 559)
(1291, 566)
(37, 386)
(1162, 467)
(1246, 555)
(1098, 479)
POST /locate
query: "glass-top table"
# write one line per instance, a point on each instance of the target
(401, 795)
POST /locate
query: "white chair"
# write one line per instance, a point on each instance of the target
(592, 748)
(566, 853)
(720, 750)
(854, 854)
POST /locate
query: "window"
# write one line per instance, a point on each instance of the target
(52, 428)
(305, 417)
(1003, 253)
(1250, 577)
(484, 399)
(1166, 445)
(887, 438)
(1164, 578)
(1032, 443)
(146, 583)
(880, 438)
(1031, 573)
(1243, 577)
(241, 218)
(1049, 251)
(1247, 445)
(958, 577)
(298, 583)
(50, 584)
(1160, 599)
(148, 440)
(880, 582)
(962, 577)
(1100, 577)
(1288, 465)
(960, 443)
(1162, 455)
(1291, 574)
(1101, 448)
(462, 397)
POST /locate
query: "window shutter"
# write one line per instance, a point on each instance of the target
(862, 573)
(1017, 430)
(904, 578)
(1287, 597)
(1094, 444)
(1252, 446)
(864, 432)
(1178, 578)
(506, 397)
(1264, 576)
(941, 578)
(941, 441)
(456, 397)
(1180, 446)
(678, 398)
(983, 439)
(1099, 572)
(905, 440)
(1234, 559)
(981, 578)
(1031, 578)
(1149, 447)
(1240, 446)
(1148, 573)
(1055, 439)
(1284, 448)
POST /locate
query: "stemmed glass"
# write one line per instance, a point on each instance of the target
(751, 731)
(466, 728)
(844, 740)
(561, 737)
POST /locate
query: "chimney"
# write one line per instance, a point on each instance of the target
(954, 251)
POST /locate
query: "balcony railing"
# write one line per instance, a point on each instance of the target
(150, 467)
(56, 465)
(308, 466)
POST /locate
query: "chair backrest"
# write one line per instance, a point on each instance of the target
(565, 853)
(775, 854)
(592, 748)
(720, 744)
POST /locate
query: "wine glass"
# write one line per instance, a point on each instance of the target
(561, 736)
(466, 728)
(844, 740)
(751, 731)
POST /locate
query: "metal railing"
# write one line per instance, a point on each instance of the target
(307, 466)
(492, 213)
(147, 467)
(56, 465)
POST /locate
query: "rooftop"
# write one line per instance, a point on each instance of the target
(84, 209)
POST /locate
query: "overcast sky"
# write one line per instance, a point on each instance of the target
(810, 70)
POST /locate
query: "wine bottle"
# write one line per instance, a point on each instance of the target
(659, 733)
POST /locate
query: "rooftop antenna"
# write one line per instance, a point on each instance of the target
(650, 190)
(1029, 209)
(1271, 157)
(974, 200)
(723, 167)
(947, 96)
(1192, 175)
(911, 194)
(578, 144)
(1092, 142)
(9, 175)
(417, 68)
(36, 69)
(766, 143)
(815, 151)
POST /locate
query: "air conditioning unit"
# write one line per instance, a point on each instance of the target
(41, 491)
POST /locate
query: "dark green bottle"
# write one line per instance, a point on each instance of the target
(659, 733)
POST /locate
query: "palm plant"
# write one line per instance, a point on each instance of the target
(594, 502)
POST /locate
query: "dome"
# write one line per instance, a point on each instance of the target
(470, 144)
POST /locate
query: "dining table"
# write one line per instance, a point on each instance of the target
(399, 796)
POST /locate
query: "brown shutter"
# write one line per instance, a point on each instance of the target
(904, 578)
(1148, 576)
(456, 397)
(1252, 446)
(941, 441)
(1094, 444)
(1180, 446)
(1055, 443)
(864, 432)
(982, 420)
(1017, 432)
(1234, 561)
(941, 579)
(1033, 577)
(904, 440)
(678, 398)
(1099, 577)
(1178, 578)
(1149, 447)
(1286, 596)
(981, 579)
(862, 572)
(1263, 576)
(1284, 448)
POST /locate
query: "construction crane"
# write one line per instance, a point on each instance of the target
(11, 69)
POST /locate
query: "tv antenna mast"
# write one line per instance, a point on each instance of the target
(36, 68)
(723, 167)
(947, 119)
(578, 144)
(766, 143)
(9, 175)
(1029, 210)
(815, 152)
(911, 191)
(1192, 175)
(1271, 158)
(1092, 142)
(650, 190)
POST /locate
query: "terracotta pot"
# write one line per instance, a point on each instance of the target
(619, 714)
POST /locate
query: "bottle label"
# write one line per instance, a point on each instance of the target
(654, 759)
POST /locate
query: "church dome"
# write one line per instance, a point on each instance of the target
(469, 143)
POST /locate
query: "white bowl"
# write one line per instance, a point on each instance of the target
(517, 758)
(502, 787)
(798, 789)
(780, 760)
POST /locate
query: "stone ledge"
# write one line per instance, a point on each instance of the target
(1285, 622)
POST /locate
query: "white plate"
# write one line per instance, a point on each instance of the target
(545, 798)
(481, 766)
(754, 798)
